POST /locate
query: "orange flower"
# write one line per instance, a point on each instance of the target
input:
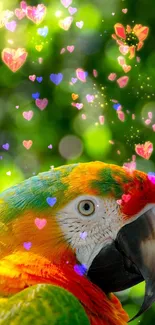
(130, 39)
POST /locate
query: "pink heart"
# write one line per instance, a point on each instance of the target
(23, 5)
(125, 10)
(124, 49)
(148, 121)
(79, 105)
(41, 103)
(144, 150)
(121, 115)
(11, 25)
(28, 115)
(79, 24)
(122, 82)
(101, 119)
(27, 144)
(112, 76)
(36, 14)
(70, 48)
(40, 223)
(32, 77)
(62, 50)
(90, 98)
(150, 115)
(66, 3)
(20, 14)
(126, 197)
(121, 60)
(81, 74)
(72, 10)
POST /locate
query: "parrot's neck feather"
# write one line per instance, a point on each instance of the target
(21, 270)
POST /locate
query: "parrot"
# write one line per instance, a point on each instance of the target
(72, 236)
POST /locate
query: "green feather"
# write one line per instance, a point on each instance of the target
(43, 304)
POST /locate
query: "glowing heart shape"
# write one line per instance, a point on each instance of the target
(14, 58)
(112, 76)
(144, 150)
(121, 115)
(122, 82)
(79, 24)
(121, 60)
(66, 3)
(23, 5)
(81, 74)
(125, 10)
(36, 14)
(28, 115)
(75, 96)
(27, 245)
(126, 68)
(11, 25)
(41, 103)
(70, 48)
(20, 14)
(39, 48)
(32, 77)
(124, 49)
(126, 197)
(27, 144)
(40, 223)
(66, 23)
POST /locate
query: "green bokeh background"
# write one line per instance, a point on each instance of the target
(88, 139)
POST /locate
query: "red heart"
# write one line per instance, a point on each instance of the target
(36, 14)
(14, 58)
(144, 150)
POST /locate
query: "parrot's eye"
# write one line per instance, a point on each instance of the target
(86, 207)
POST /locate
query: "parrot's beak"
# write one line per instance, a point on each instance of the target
(128, 260)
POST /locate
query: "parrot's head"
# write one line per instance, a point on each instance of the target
(101, 215)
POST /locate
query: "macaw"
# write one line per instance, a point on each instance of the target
(71, 236)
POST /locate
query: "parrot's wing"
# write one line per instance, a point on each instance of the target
(42, 304)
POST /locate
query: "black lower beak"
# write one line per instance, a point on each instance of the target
(128, 260)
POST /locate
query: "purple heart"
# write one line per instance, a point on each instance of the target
(50, 146)
(27, 245)
(151, 177)
(35, 95)
(6, 146)
(74, 80)
(51, 201)
(56, 78)
(39, 79)
(72, 10)
(11, 25)
(83, 234)
(80, 269)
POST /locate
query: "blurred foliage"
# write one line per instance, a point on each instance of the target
(73, 134)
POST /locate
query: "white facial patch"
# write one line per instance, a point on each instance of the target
(89, 223)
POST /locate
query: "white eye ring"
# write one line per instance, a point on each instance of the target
(86, 208)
